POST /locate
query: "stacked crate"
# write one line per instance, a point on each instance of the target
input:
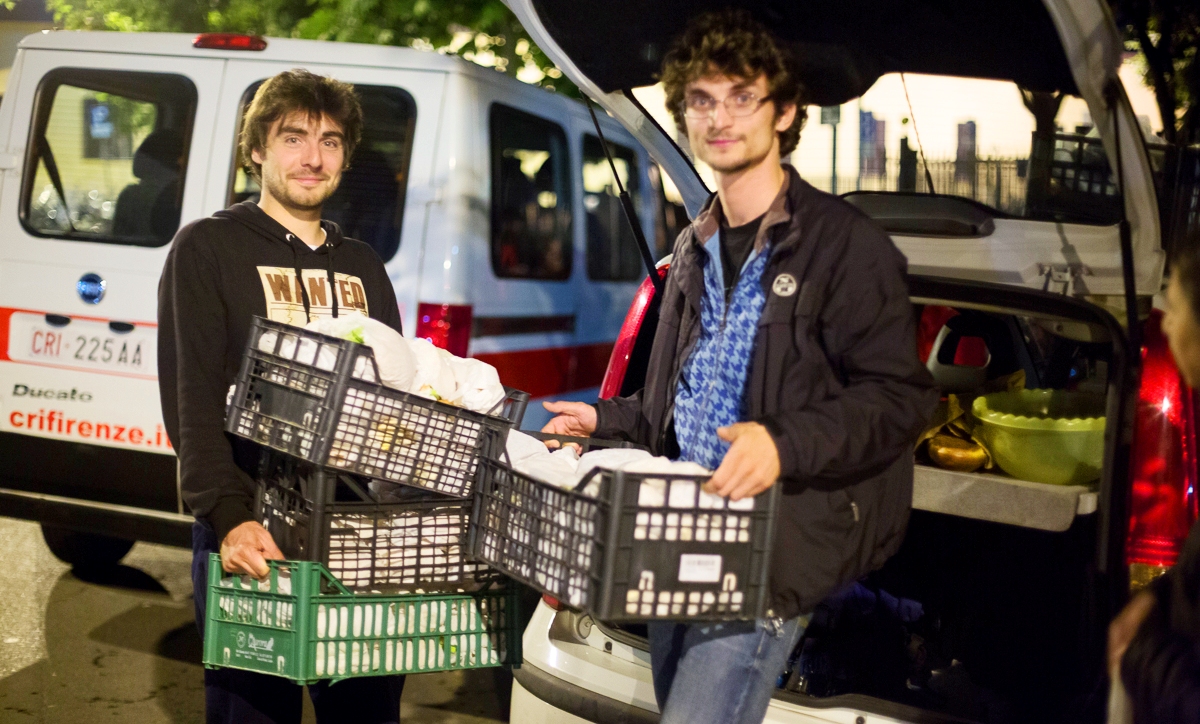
(368, 491)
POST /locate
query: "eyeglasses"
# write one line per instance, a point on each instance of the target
(738, 105)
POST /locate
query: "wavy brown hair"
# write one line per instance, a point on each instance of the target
(732, 43)
(299, 91)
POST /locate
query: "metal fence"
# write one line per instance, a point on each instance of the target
(1069, 178)
(997, 182)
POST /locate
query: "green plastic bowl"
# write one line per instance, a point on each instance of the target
(1046, 436)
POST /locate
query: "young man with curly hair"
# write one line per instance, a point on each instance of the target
(785, 354)
(273, 258)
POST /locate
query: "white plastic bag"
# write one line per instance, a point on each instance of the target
(607, 459)
(393, 354)
(478, 383)
(556, 468)
(434, 378)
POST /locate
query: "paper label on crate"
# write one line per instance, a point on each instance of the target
(698, 568)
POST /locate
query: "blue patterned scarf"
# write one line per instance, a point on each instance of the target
(712, 386)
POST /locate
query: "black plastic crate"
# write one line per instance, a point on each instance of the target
(625, 559)
(318, 398)
(371, 535)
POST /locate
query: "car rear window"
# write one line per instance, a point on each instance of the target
(1021, 153)
(107, 156)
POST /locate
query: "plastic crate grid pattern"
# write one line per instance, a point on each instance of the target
(555, 539)
(337, 634)
(383, 436)
(373, 546)
(286, 399)
(542, 535)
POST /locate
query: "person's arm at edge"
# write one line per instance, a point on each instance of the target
(213, 486)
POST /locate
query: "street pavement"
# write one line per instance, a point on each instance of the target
(122, 646)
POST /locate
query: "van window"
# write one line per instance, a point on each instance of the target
(612, 250)
(107, 156)
(369, 201)
(531, 197)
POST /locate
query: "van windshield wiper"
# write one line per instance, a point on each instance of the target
(47, 157)
(627, 205)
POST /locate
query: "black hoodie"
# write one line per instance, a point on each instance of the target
(221, 272)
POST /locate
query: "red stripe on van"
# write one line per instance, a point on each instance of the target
(553, 370)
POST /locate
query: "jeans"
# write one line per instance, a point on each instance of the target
(719, 672)
(232, 696)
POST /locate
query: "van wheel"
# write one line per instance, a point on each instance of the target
(84, 550)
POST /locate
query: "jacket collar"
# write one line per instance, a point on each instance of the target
(708, 221)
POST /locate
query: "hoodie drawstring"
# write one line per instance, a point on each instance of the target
(332, 282)
(300, 279)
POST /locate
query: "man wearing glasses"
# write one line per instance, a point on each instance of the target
(785, 354)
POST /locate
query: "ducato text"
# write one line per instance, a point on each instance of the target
(20, 390)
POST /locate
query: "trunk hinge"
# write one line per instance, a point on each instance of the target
(1062, 278)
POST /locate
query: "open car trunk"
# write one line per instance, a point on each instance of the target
(995, 608)
(1048, 46)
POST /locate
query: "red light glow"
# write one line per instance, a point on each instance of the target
(229, 41)
(445, 325)
(1162, 501)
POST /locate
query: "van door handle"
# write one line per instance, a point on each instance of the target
(120, 327)
(57, 320)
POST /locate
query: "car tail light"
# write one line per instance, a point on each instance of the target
(618, 363)
(445, 325)
(229, 41)
(553, 602)
(1162, 503)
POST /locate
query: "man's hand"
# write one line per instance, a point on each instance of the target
(1124, 627)
(750, 466)
(577, 419)
(247, 548)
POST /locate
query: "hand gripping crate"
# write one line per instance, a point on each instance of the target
(318, 398)
(301, 624)
(647, 547)
(371, 535)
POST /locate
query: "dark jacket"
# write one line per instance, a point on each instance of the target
(1161, 667)
(834, 377)
(221, 272)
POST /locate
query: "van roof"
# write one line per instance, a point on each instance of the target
(282, 50)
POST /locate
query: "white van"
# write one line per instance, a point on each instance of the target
(489, 200)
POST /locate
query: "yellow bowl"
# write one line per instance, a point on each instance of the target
(1046, 436)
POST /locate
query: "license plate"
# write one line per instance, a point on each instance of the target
(82, 344)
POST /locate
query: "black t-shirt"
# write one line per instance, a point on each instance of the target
(736, 244)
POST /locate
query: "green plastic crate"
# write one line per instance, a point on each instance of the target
(302, 624)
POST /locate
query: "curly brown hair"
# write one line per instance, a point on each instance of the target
(299, 91)
(734, 44)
